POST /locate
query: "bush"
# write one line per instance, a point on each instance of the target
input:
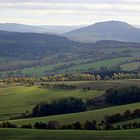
(90, 125)
(7, 125)
(26, 126)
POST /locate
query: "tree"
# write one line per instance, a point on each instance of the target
(60, 106)
(127, 114)
(77, 125)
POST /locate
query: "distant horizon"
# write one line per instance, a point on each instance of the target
(69, 13)
(65, 24)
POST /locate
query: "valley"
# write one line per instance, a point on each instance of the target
(70, 86)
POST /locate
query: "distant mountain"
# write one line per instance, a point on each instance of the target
(13, 27)
(110, 30)
(137, 26)
(60, 29)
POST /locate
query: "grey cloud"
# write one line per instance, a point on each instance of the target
(71, 1)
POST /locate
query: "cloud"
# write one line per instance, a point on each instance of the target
(117, 9)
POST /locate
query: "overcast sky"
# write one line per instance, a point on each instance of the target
(68, 12)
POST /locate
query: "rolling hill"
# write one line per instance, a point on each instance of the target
(39, 54)
(14, 27)
(110, 30)
(97, 114)
(24, 98)
(27, 45)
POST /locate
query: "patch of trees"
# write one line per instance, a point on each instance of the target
(7, 125)
(97, 102)
(123, 95)
(87, 125)
(19, 77)
(127, 115)
(106, 73)
(58, 86)
(33, 45)
(61, 106)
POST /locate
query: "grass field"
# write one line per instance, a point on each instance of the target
(130, 66)
(41, 70)
(129, 121)
(18, 99)
(97, 115)
(24, 134)
(103, 63)
(102, 85)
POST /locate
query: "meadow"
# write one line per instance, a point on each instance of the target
(102, 63)
(130, 66)
(97, 115)
(24, 134)
(15, 100)
(101, 85)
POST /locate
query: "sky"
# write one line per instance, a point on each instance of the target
(69, 12)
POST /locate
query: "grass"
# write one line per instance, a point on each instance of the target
(103, 63)
(97, 115)
(18, 99)
(129, 121)
(24, 134)
(41, 70)
(130, 66)
(103, 85)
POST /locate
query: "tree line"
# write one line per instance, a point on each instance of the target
(127, 115)
(19, 77)
(58, 86)
(123, 95)
(61, 106)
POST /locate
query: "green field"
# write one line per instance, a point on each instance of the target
(102, 63)
(15, 100)
(18, 99)
(78, 65)
(129, 121)
(24, 134)
(131, 66)
(102, 85)
(97, 115)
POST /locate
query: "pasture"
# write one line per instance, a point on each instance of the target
(24, 134)
(97, 115)
(15, 100)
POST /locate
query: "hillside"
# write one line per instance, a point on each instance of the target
(32, 45)
(110, 30)
(38, 54)
(27, 97)
(97, 115)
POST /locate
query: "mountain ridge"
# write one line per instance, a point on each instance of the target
(108, 30)
(23, 28)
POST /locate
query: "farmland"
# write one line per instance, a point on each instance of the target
(131, 66)
(22, 98)
(24, 134)
(97, 115)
